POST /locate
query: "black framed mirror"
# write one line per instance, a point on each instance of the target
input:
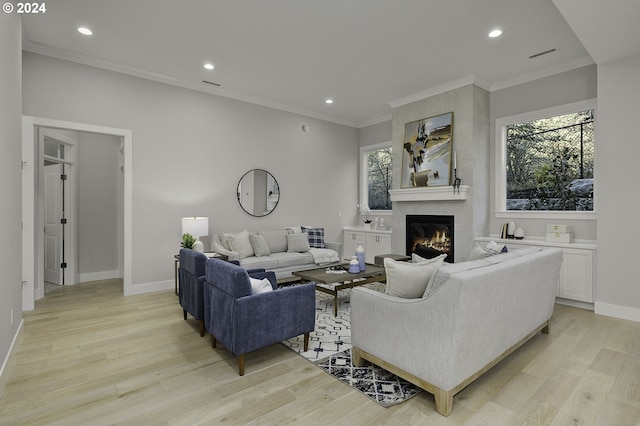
(258, 192)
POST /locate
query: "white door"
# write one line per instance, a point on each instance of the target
(53, 229)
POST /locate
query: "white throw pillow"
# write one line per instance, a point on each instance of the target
(240, 243)
(297, 243)
(410, 280)
(260, 286)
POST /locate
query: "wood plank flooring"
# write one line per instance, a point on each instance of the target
(90, 356)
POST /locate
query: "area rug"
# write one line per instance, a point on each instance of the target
(330, 349)
(332, 333)
(385, 388)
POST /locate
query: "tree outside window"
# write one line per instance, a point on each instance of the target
(549, 163)
(379, 177)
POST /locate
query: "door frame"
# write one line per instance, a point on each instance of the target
(32, 259)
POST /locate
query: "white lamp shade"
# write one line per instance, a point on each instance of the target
(196, 226)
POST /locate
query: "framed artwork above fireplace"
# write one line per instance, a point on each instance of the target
(426, 155)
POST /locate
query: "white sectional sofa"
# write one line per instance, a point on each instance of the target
(472, 316)
(279, 250)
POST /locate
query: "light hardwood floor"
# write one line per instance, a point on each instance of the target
(89, 355)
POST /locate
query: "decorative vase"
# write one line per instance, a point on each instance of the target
(511, 229)
(518, 234)
(367, 225)
(354, 265)
(360, 256)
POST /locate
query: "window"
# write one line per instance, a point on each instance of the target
(546, 160)
(376, 165)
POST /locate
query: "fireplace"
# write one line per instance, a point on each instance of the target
(429, 236)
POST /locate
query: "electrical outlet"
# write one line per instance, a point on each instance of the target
(12, 317)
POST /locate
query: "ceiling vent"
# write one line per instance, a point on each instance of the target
(211, 83)
(542, 53)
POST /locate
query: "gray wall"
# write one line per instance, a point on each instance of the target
(616, 178)
(189, 151)
(374, 134)
(98, 204)
(564, 88)
(10, 176)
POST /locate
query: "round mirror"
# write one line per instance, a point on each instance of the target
(258, 192)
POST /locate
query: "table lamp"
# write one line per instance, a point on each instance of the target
(196, 227)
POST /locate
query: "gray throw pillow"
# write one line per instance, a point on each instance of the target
(297, 243)
(259, 244)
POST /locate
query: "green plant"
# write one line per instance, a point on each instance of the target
(187, 241)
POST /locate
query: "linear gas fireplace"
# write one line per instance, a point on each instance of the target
(430, 236)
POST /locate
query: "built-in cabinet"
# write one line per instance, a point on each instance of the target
(577, 273)
(375, 241)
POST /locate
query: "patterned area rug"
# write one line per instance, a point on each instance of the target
(330, 349)
(385, 388)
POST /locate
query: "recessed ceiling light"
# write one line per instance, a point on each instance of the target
(85, 31)
(209, 66)
(328, 101)
(495, 33)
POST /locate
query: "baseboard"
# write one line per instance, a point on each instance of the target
(575, 303)
(617, 311)
(4, 373)
(101, 275)
(149, 287)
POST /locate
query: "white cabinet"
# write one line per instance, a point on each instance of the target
(350, 240)
(577, 273)
(376, 244)
(374, 241)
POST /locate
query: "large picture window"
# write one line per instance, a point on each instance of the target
(376, 165)
(547, 160)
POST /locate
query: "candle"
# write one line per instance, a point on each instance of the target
(455, 160)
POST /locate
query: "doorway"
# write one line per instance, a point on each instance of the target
(33, 207)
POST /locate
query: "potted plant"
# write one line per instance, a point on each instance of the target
(364, 209)
(187, 241)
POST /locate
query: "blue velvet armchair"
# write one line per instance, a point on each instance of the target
(191, 282)
(244, 322)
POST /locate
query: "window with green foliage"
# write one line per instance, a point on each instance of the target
(377, 166)
(548, 161)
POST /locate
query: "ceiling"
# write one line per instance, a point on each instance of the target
(294, 54)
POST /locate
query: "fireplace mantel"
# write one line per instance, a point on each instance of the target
(430, 193)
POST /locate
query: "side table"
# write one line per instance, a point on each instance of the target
(176, 262)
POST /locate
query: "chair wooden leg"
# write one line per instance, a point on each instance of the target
(306, 342)
(241, 364)
(184, 313)
(202, 330)
(545, 330)
(213, 341)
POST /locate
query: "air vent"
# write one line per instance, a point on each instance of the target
(211, 83)
(542, 53)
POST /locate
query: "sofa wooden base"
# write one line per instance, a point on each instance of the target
(443, 398)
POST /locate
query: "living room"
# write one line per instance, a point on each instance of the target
(189, 149)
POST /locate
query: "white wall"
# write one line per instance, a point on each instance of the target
(189, 151)
(564, 88)
(10, 190)
(98, 206)
(618, 292)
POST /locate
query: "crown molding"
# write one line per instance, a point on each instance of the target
(452, 85)
(161, 78)
(567, 66)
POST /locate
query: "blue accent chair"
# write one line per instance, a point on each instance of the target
(244, 322)
(191, 282)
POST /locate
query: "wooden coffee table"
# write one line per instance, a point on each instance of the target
(333, 283)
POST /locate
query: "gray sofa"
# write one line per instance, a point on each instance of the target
(474, 315)
(279, 250)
